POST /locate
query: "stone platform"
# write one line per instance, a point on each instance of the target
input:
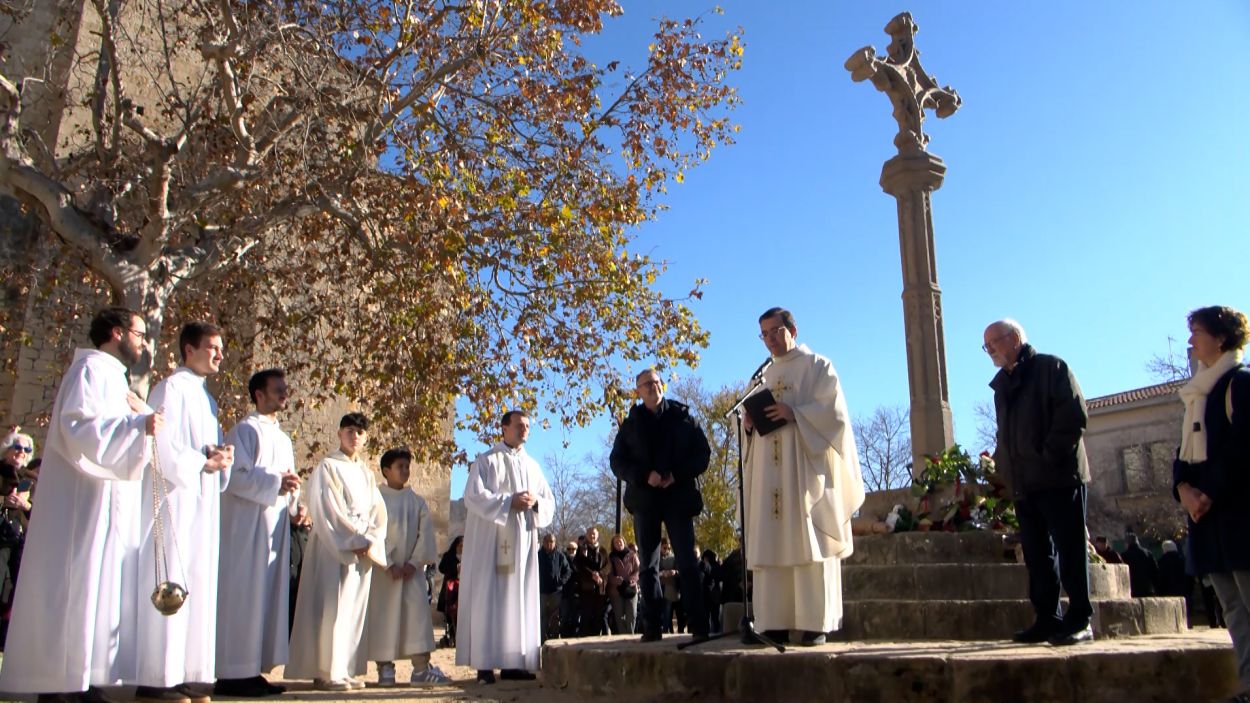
(960, 586)
(1194, 667)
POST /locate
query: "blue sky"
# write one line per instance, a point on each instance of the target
(1097, 183)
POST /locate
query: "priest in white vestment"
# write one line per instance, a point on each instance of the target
(73, 613)
(508, 501)
(178, 649)
(400, 624)
(803, 483)
(348, 538)
(256, 509)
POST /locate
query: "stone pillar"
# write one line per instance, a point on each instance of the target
(911, 179)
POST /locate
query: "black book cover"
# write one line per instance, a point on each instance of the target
(755, 405)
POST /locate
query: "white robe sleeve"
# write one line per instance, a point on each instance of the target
(114, 446)
(247, 480)
(328, 510)
(223, 476)
(180, 463)
(822, 421)
(424, 548)
(546, 507)
(376, 532)
(480, 496)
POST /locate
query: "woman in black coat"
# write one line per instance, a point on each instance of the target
(1211, 475)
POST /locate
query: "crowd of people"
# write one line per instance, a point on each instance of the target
(580, 598)
(133, 488)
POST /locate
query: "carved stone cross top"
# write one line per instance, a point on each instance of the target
(901, 77)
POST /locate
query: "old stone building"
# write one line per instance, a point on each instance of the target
(1131, 441)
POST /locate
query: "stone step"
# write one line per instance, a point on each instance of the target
(998, 619)
(978, 546)
(964, 581)
(1196, 667)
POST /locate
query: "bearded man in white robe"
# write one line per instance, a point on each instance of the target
(256, 509)
(180, 649)
(508, 501)
(803, 483)
(71, 628)
(348, 538)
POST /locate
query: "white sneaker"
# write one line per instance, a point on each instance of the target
(355, 683)
(386, 673)
(432, 674)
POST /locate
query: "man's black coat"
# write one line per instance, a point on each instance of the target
(668, 442)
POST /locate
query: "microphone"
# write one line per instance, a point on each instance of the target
(759, 372)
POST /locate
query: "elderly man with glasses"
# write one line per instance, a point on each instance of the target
(1041, 455)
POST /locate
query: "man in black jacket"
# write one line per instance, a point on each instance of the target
(1041, 455)
(659, 453)
(553, 572)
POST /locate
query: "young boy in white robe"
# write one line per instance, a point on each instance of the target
(399, 623)
(348, 537)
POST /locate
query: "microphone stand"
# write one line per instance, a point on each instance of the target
(747, 625)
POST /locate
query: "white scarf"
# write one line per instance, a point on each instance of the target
(1194, 396)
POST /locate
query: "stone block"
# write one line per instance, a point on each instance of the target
(999, 581)
(876, 582)
(905, 677)
(874, 620)
(981, 547)
(766, 675)
(944, 581)
(1024, 679)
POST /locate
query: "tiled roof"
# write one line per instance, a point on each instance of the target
(1156, 391)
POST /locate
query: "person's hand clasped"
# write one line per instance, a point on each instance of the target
(523, 500)
(136, 403)
(219, 458)
(153, 423)
(290, 483)
(654, 479)
(1195, 502)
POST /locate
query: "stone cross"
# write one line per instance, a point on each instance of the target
(911, 177)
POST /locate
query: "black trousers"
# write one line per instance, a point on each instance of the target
(1052, 535)
(681, 534)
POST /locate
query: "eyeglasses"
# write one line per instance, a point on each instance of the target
(772, 332)
(22, 448)
(138, 333)
(994, 340)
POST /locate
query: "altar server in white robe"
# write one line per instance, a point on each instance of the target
(803, 483)
(399, 623)
(348, 538)
(72, 624)
(508, 501)
(256, 510)
(180, 649)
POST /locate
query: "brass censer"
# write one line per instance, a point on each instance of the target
(168, 596)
